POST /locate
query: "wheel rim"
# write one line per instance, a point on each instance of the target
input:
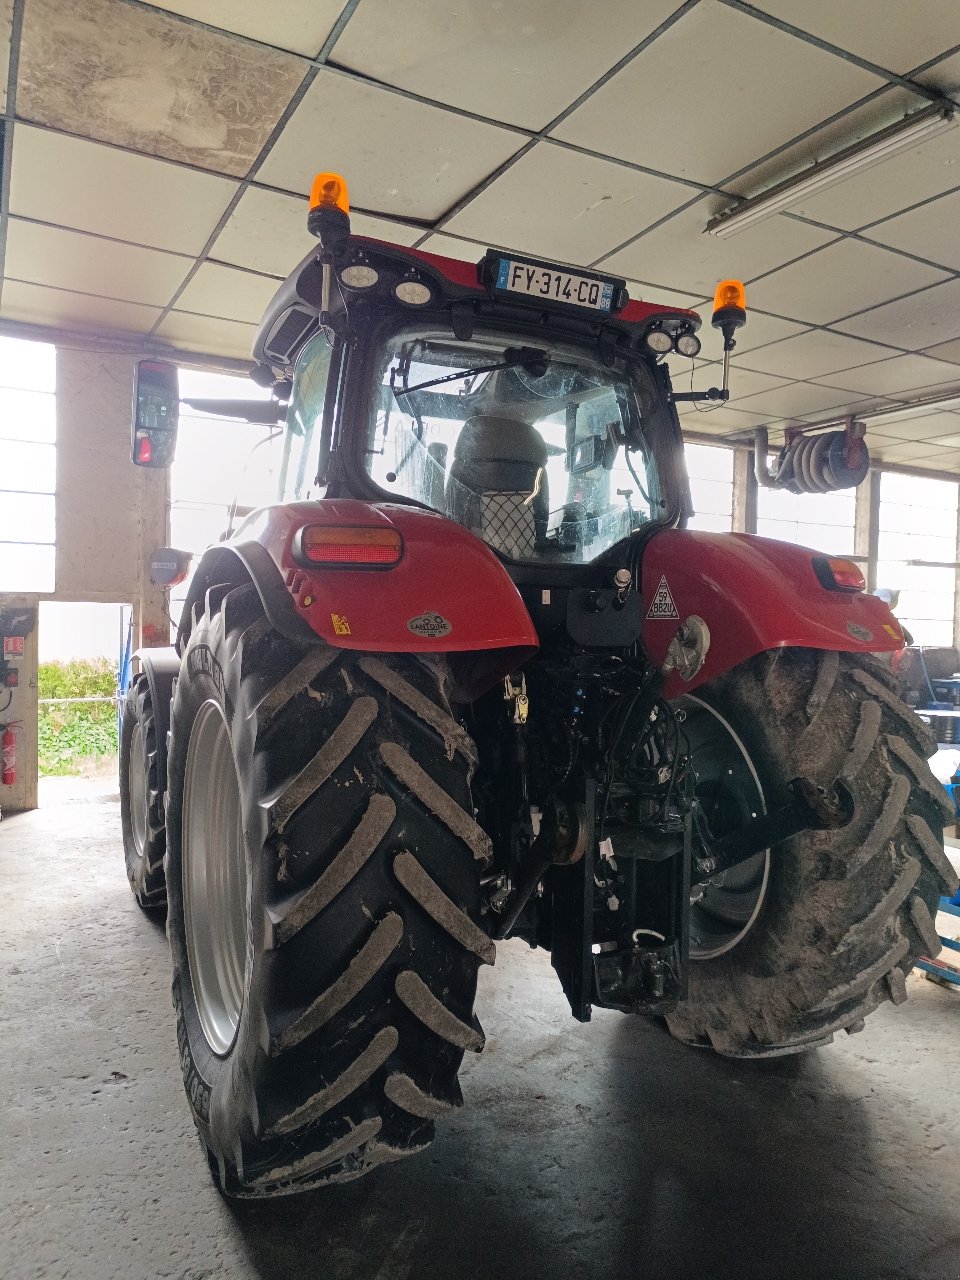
(214, 879)
(137, 783)
(724, 908)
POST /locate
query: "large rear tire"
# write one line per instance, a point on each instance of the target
(323, 881)
(141, 804)
(836, 918)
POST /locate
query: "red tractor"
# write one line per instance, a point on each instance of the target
(472, 679)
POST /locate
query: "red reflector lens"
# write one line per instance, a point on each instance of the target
(144, 451)
(846, 575)
(360, 546)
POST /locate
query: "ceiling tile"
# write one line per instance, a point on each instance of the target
(761, 329)
(491, 58)
(399, 156)
(944, 77)
(894, 376)
(930, 231)
(127, 75)
(912, 452)
(743, 382)
(678, 252)
(919, 322)
(267, 231)
(642, 291)
(114, 193)
(812, 354)
(794, 399)
(228, 293)
(555, 203)
(720, 417)
(58, 308)
(208, 335)
(946, 351)
(884, 189)
(89, 264)
(843, 278)
(302, 28)
(874, 29)
(767, 105)
(451, 247)
(6, 18)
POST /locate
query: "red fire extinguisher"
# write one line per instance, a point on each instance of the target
(8, 749)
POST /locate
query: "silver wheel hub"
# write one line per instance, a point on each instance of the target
(137, 784)
(724, 908)
(214, 878)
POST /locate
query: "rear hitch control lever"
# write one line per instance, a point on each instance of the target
(811, 808)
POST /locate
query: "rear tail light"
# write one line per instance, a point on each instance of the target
(839, 575)
(348, 546)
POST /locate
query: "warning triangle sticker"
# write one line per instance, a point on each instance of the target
(662, 606)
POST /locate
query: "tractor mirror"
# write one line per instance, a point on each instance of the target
(156, 408)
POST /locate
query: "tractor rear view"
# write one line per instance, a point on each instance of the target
(470, 678)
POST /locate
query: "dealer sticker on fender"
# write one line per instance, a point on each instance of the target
(430, 626)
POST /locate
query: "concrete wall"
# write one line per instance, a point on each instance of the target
(110, 514)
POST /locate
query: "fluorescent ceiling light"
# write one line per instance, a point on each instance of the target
(912, 409)
(916, 128)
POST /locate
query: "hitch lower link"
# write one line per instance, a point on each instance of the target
(811, 808)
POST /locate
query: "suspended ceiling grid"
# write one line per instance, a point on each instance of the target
(156, 158)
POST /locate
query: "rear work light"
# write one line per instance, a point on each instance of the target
(348, 546)
(838, 575)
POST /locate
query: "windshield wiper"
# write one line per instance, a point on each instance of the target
(533, 361)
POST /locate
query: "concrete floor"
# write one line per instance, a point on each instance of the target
(598, 1151)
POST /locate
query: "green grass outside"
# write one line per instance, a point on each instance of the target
(78, 738)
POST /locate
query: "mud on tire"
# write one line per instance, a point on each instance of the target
(141, 807)
(846, 913)
(362, 860)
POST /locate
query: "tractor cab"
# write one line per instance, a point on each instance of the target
(526, 401)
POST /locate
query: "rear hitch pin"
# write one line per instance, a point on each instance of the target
(517, 694)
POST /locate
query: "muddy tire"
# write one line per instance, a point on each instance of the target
(323, 797)
(844, 915)
(141, 802)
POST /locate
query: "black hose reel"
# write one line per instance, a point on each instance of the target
(823, 463)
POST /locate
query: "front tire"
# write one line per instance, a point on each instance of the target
(324, 797)
(841, 916)
(141, 807)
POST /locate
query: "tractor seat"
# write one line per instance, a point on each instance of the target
(498, 484)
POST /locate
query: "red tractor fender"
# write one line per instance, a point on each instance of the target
(448, 593)
(754, 594)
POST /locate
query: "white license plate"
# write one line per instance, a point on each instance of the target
(555, 286)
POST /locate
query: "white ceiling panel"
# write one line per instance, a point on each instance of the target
(206, 334)
(643, 291)
(946, 351)
(267, 231)
(841, 279)
(299, 25)
(555, 203)
(765, 101)
(114, 193)
(6, 18)
(918, 323)
(37, 304)
(743, 382)
(490, 57)
(125, 74)
(930, 231)
(894, 376)
(679, 253)
(451, 247)
(874, 29)
(887, 188)
(813, 354)
(89, 264)
(794, 399)
(944, 76)
(398, 156)
(227, 293)
(720, 418)
(760, 329)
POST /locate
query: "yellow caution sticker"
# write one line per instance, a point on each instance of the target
(894, 632)
(341, 627)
